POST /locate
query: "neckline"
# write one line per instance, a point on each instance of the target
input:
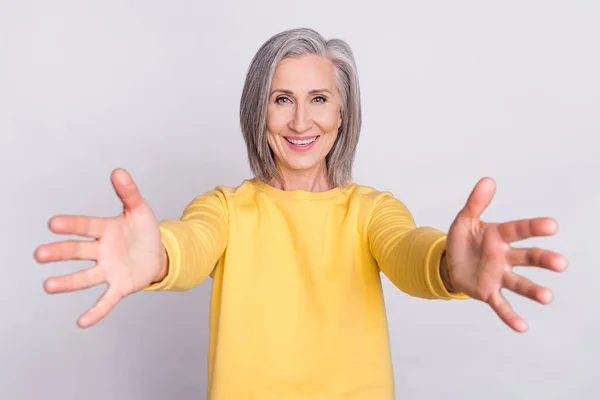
(298, 193)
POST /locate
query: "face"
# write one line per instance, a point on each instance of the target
(304, 113)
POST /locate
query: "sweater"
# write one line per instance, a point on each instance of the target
(297, 308)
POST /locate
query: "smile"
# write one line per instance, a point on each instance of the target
(301, 142)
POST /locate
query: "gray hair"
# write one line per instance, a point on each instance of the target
(255, 98)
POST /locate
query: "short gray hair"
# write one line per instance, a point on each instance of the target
(255, 98)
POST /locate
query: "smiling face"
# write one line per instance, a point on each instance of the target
(303, 115)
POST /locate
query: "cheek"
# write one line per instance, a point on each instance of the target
(276, 121)
(331, 138)
(328, 119)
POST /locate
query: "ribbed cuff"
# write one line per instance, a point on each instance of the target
(433, 275)
(171, 247)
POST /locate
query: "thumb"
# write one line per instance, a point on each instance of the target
(480, 198)
(126, 189)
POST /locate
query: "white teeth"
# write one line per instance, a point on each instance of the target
(301, 142)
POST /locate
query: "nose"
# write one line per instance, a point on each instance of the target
(301, 121)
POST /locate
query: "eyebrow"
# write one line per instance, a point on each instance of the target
(289, 92)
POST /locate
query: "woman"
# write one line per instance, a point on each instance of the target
(296, 252)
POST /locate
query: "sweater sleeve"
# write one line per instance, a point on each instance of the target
(408, 255)
(194, 243)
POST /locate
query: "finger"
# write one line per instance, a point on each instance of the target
(524, 287)
(79, 280)
(67, 250)
(101, 309)
(513, 231)
(126, 189)
(480, 198)
(92, 227)
(506, 313)
(536, 257)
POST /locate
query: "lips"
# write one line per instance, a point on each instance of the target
(301, 143)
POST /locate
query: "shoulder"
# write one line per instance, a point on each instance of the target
(227, 191)
(218, 198)
(377, 202)
(367, 194)
(244, 188)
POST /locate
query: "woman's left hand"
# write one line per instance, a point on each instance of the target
(480, 258)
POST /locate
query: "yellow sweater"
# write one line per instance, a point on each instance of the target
(297, 309)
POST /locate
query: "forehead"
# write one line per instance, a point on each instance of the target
(306, 72)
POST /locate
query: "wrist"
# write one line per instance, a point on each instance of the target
(163, 265)
(445, 274)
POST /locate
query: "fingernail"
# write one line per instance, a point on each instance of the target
(564, 263)
(546, 297)
(521, 326)
(55, 224)
(50, 286)
(41, 254)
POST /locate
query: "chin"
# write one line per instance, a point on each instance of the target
(301, 165)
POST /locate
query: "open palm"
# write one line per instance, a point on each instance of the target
(127, 250)
(480, 256)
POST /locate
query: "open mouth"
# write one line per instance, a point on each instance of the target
(301, 142)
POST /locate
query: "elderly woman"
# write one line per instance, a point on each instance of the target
(295, 253)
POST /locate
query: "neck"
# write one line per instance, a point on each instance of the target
(313, 180)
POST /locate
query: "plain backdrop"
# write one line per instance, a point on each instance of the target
(452, 91)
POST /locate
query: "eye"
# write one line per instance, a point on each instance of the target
(319, 99)
(282, 100)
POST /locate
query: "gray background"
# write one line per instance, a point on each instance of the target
(452, 91)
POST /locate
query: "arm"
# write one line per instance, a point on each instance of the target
(410, 256)
(193, 244)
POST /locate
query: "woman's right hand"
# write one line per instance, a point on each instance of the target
(127, 250)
